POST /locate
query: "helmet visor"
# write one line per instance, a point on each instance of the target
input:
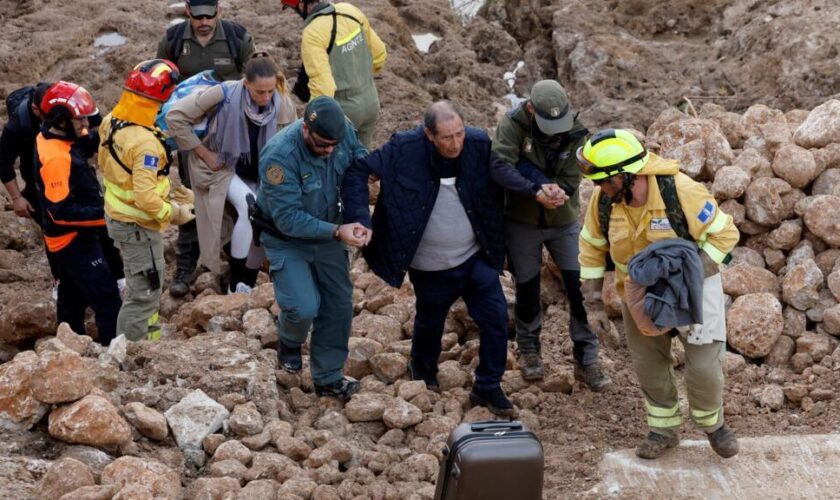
(589, 169)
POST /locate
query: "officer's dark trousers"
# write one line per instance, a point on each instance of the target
(187, 250)
(478, 283)
(87, 281)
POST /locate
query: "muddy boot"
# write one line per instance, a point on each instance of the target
(342, 389)
(655, 445)
(180, 285)
(593, 376)
(531, 365)
(724, 442)
(494, 400)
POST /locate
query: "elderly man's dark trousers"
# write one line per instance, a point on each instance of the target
(478, 283)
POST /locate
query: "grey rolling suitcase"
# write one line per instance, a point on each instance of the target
(493, 460)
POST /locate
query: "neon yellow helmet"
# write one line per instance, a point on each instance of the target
(611, 152)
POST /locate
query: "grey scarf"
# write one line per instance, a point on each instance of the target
(228, 134)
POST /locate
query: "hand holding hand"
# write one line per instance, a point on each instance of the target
(551, 196)
(353, 234)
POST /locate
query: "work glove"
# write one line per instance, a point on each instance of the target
(181, 213)
(182, 194)
(596, 313)
(710, 267)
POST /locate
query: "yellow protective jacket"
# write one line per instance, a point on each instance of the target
(142, 196)
(316, 38)
(713, 230)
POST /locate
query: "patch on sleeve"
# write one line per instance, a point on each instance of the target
(660, 224)
(706, 212)
(275, 174)
(151, 162)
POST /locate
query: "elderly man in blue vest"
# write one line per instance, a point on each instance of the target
(439, 218)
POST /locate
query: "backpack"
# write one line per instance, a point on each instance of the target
(14, 101)
(673, 209)
(301, 87)
(195, 83)
(234, 33)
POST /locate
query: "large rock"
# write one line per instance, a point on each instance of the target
(831, 320)
(366, 407)
(781, 351)
(821, 128)
(150, 422)
(208, 306)
(92, 421)
(795, 165)
(18, 233)
(64, 475)
(19, 409)
(358, 359)
(61, 377)
(389, 366)
(801, 285)
(825, 182)
(195, 417)
(32, 316)
(382, 329)
(260, 324)
(754, 324)
(213, 488)
(401, 414)
(233, 450)
(730, 182)
(786, 236)
(764, 201)
(246, 420)
(817, 345)
(744, 279)
(158, 479)
(822, 217)
(450, 375)
(78, 343)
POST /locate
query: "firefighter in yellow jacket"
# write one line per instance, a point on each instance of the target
(134, 160)
(637, 215)
(340, 54)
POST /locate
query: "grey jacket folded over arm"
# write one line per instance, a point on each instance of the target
(673, 274)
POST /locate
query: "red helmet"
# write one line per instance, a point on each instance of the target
(155, 79)
(74, 98)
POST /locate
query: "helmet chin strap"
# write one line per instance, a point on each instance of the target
(627, 188)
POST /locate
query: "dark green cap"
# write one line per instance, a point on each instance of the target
(324, 116)
(553, 112)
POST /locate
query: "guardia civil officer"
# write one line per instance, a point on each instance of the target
(301, 169)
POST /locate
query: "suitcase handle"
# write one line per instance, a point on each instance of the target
(495, 424)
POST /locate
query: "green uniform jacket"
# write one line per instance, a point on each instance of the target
(515, 142)
(194, 58)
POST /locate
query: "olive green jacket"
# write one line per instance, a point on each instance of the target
(515, 142)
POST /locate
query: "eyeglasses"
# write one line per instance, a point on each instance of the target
(204, 17)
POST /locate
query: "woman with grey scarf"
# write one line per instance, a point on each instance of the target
(243, 115)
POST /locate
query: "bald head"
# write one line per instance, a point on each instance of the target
(445, 128)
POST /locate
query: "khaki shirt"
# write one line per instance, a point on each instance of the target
(215, 55)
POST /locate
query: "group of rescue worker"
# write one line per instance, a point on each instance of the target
(453, 207)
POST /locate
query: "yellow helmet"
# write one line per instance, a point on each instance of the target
(610, 152)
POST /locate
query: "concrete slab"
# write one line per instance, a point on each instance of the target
(770, 467)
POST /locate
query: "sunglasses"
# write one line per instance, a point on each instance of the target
(204, 17)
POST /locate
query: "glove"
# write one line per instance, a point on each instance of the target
(596, 313)
(181, 213)
(710, 267)
(182, 194)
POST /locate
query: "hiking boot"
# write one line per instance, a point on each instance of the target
(180, 285)
(289, 357)
(531, 365)
(494, 400)
(427, 376)
(724, 442)
(340, 389)
(655, 445)
(593, 376)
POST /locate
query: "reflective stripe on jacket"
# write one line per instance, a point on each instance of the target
(713, 230)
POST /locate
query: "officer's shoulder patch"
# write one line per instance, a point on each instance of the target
(275, 174)
(706, 212)
(151, 161)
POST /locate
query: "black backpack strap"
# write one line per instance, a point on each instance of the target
(234, 35)
(117, 125)
(175, 38)
(673, 209)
